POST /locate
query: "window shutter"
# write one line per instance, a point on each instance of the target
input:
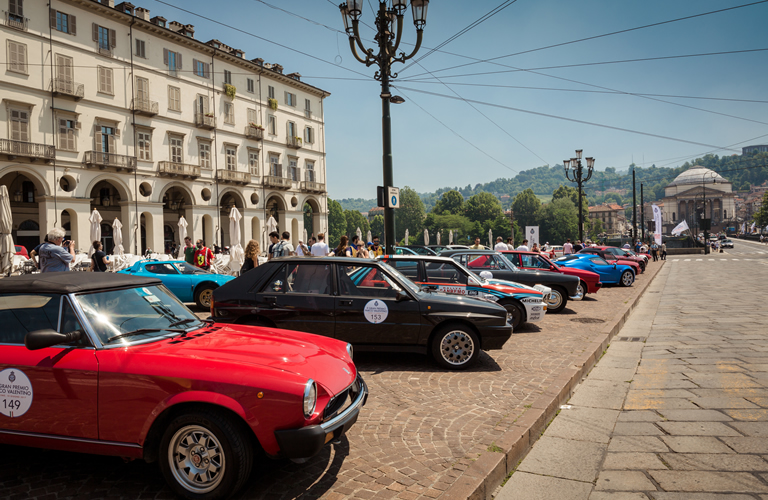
(165, 57)
(111, 139)
(207, 69)
(15, 126)
(117, 132)
(98, 139)
(102, 80)
(53, 17)
(194, 67)
(22, 57)
(63, 142)
(72, 25)
(12, 7)
(12, 57)
(108, 72)
(178, 60)
(78, 125)
(20, 8)
(112, 38)
(95, 29)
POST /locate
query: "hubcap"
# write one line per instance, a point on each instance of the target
(196, 459)
(457, 347)
(627, 279)
(513, 316)
(205, 297)
(554, 300)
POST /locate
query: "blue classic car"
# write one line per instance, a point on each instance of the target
(612, 274)
(187, 282)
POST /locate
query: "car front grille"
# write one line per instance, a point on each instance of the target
(342, 400)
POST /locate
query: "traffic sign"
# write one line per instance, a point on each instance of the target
(393, 197)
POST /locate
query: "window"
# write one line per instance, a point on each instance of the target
(172, 60)
(16, 10)
(275, 169)
(105, 138)
(64, 74)
(145, 146)
(440, 273)
(229, 113)
(292, 130)
(177, 148)
(307, 108)
(201, 68)
(228, 77)
(311, 171)
(141, 49)
(142, 93)
(290, 99)
(106, 38)
(65, 23)
(533, 261)
(24, 313)
(174, 98)
(231, 152)
(409, 268)
(271, 91)
(253, 161)
(105, 80)
(67, 134)
(204, 149)
(249, 85)
(309, 135)
(484, 262)
(272, 124)
(201, 104)
(17, 57)
(252, 117)
(366, 281)
(19, 125)
(293, 169)
(161, 269)
(309, 278)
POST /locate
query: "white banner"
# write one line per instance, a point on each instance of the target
(532, 235)
(752, 229)
(683, 226)
(743, 227)
(657, 224)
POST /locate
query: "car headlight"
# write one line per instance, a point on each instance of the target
(350, 351)
(310, 398)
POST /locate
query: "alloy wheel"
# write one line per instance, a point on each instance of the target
(457, 347)
(196, 458)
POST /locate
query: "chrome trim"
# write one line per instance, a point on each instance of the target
(84, 322)
(307, 388)
(350, 351)
(65, 438)
(343, 417)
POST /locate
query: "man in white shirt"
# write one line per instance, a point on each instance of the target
(523, 247)
(500, 245)
(567, 247)
(320, 249)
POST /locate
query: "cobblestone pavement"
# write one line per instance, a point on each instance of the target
(420, 430)
(677, 409)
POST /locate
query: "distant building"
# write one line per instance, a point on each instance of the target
(374, 212)
(611, 215)
(684, 199)
(755, 149)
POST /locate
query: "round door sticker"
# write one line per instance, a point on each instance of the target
(376, 311)
(15, 393)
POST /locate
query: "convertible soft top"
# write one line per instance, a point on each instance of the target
(71, 282)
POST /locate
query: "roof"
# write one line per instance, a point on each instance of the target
(415, 257)
(72, 282)
(698, 175)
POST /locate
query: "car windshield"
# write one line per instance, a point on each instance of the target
(151, 309)
(187, 268)
(410, 285)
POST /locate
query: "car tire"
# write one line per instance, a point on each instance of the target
(627, 278)
(205, 455)
(557, 301)
(581, 289)
(455, 347)
(204, 295)
(515, 313)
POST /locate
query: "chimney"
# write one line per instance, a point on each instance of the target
(295, 76)
(258, 61)
(238, 53)
(175, 26)
(277, 68)
(159, 21)
(142, 13)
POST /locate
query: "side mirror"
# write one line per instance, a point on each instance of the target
(401, 296)
(614, 266)
(552, 267)
(40, 339)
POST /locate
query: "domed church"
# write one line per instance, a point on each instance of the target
(686, 196)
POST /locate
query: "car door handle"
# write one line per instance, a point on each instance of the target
(270, 300)
(345, 302)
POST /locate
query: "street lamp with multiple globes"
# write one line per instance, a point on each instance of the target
(574, 172)
(389, 30)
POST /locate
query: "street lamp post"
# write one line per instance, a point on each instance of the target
(574, 172)
(389, 30)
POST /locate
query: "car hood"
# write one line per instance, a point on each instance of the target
(442, 302)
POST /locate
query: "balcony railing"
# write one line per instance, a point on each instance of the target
(294, 142)
(277, 182)
(233, 176)
(104, 160)
(313, 187)
(61, 86)
(26, 149)
(206, 121)
(144, 107)
(254, 132)
(14, 21)
(174, 169)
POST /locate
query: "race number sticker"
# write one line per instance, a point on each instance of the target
(15, 393)
(376, 311)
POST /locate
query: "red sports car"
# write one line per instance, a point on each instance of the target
(21, 250)
(589, 282)
(113, 364)
(618, 256)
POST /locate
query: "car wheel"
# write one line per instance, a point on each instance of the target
(627, 278)
(515, 313)
(581, 290)
(205, 456)
(455, 347)
(557, 300)
(204, 295)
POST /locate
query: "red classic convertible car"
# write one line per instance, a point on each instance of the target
(589, 282)
(115, 365)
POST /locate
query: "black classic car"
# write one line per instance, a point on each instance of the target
(501, 268)
(367, 303)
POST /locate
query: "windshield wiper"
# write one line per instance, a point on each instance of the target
(183, 322)
(144, 330)
(207, 321)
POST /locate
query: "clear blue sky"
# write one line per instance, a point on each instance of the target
(428, 156)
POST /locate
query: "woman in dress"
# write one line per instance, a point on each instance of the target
(252, 251)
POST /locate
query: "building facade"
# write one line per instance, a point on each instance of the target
(109, 108)
(611, 216)
(698, 191)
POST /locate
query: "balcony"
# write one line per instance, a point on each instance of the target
(205, 121)
(294, 142)
(63, 87)
(111, 160)
(233, 177)
(277, 182)
(144, 107)
(14, 21)
(252, 132)
(173, 169)
(16, 149)
(312, 187)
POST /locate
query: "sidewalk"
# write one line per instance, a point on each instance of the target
(676, 409)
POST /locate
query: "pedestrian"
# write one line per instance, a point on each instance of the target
(567, 247)
(638, 244)
(302, 250)
(36, 251)
(341, 250)
(500, 246)
(56, 255)
(578, 247)
(352, 249)
(510, 243)
(252, 252)
(655, 251)
(523, 247)
(203, 256)
(376, 248)
(663, 251)
(362, 251)
(320, 249)
(98, 259)
(535, 248)
(283, 248)
(274, 238)
(189, 251)
(477, 245)
(545, 247)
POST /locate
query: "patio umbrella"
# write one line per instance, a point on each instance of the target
(117, 237)
(437, 238)
(490, 238)
(450, 237)
(305, 240)
(359, 234)
(407, 241)
(370, 238)
(236, 252)
(95, 219)
(7, 250)
(183, 224)
(271, 227)
(426, 237)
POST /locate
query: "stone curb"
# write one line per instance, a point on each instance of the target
(481, 479)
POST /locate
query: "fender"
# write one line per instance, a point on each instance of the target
(481, 319)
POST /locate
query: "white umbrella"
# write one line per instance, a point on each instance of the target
(95, 219)
(490, 238)
(236, 252)
(359, 234)
(271, 227)
(305, 240)
(426, 237)
(117, 237)
(438, 237)
(183, 224)
(7, 250)
(370, 238)
(450, 237)
(407, 241)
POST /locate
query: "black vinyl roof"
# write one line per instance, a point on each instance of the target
(72, 282)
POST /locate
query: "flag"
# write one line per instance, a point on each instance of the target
(657, 222)
(752, 229)
(683, 226)
(743, 227)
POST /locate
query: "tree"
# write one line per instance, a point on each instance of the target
(572, 193)
(377, 226)
(594, 228)
(451, 202)
(483, 207)
(410, 215)
(356, 220)
(761, 217)
(524, 208)
(460, 225)
(558, 221)
(337, 224)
